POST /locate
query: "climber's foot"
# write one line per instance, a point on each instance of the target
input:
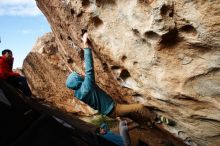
(164, 120)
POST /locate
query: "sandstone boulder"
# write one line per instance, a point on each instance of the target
(162, 53)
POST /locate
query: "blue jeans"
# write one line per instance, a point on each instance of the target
(20, 83)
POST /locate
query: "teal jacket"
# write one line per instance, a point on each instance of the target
(86, 90)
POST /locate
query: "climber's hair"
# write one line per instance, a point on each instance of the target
(6, 51)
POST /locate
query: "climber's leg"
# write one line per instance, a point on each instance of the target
(134, 111)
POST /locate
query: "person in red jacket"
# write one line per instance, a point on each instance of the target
(13, 78)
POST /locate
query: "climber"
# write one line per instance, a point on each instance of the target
(13, 78)
(86, 90)
(123, 139)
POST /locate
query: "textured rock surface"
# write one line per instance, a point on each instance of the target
(163, 53)
(46, 72)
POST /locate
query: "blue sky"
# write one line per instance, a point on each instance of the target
(21, 23)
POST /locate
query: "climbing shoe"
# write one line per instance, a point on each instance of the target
(164, 120)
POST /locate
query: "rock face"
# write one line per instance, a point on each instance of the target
(162, 53)
(46, 73)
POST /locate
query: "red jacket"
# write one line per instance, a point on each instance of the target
(6, 68)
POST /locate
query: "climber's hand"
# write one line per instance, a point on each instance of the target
(85, 40)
